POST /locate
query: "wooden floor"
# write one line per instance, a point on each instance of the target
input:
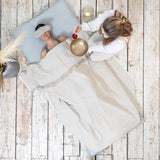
(29, 126)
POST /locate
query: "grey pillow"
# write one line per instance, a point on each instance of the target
(58, 16)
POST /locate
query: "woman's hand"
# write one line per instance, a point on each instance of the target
(77, 29)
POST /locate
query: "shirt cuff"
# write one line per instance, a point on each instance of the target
(84, 26)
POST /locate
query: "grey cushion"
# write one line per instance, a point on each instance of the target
(58, 16)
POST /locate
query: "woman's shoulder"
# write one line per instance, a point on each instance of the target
(62, 38)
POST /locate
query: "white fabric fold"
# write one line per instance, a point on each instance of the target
(95, 100)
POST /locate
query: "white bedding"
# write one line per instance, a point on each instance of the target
(95, 100)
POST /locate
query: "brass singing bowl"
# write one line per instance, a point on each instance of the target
(79, 47)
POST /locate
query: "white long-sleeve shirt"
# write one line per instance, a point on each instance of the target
(100, 51)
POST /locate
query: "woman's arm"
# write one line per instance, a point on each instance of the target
(43, 53)
(95, 24)
(101, 52)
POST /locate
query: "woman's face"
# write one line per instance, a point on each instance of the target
(45, 36)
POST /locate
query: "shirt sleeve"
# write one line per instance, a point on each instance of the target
(102, 52)
(95, 24)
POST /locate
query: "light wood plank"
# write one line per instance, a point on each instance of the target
(24, 110)
(8, 96)
(39, 159)
(84, 153)
(55, 129)
(134, 159)
(103, 5)
(55, 139)
(40, 107)
(74, 5)
(72, 158)
(135, 67)
(39, 127)
(154, 5)
(120, 147)
(51, 2)
(104, 157)
(92, 3)
(107, 150)
(77, 158)
(24, 97)
(7, 159)
(121, 5)
(39, 6)
(71, 143)
(151, 81)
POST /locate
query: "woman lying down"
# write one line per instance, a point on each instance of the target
(42, 31)
(96, 101)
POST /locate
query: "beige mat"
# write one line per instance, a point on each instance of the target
(95, 100)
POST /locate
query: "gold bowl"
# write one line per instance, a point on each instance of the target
(79, 47)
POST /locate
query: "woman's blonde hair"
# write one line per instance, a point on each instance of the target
(115, 26)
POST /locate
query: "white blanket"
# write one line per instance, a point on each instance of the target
(95, 100)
